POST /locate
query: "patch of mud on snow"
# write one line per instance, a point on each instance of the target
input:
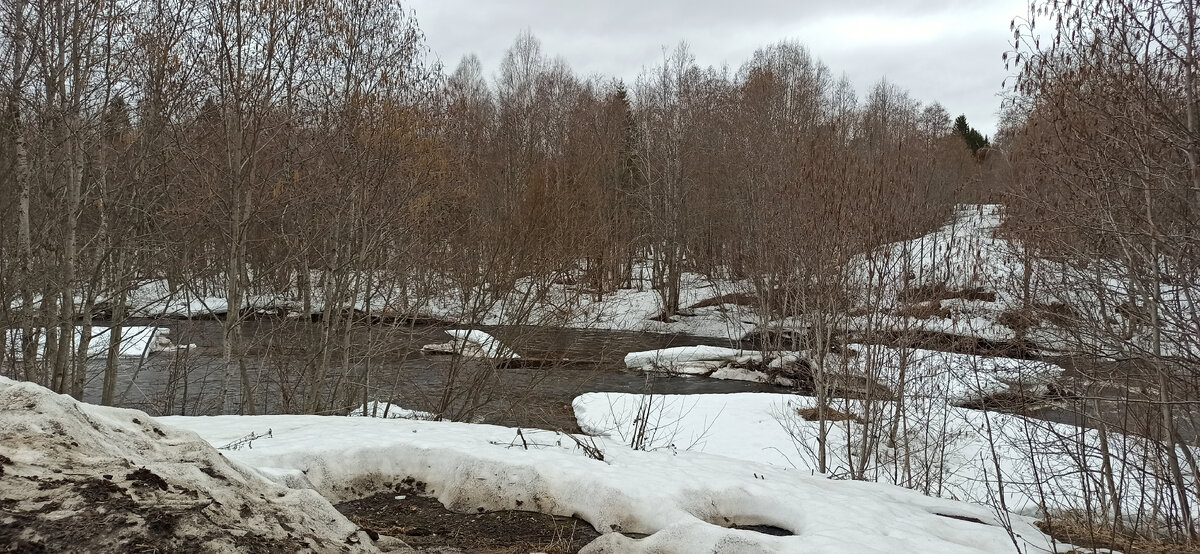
(81, 478)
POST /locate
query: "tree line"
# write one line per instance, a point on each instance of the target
(243, 148)
(314, 149)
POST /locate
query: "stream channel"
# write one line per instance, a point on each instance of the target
(389, 361)
(386, 364)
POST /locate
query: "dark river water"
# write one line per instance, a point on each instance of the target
(387, 365)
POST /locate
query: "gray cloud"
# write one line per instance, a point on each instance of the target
(940, 50)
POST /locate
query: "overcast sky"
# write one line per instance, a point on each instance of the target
(939, 50)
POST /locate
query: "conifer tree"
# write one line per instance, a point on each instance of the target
(972, 137)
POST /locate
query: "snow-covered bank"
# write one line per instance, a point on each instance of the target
(173, 486)
(965, 254)
(946, 451)
(82, 478)
(136, 341)
(628, 309)
(557, 304)
(389, 411)
(683, 500)
(949, 376)
(719, 363)
(472, 344)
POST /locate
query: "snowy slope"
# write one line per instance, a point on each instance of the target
(949, 377)
(683, 500)
(955, 451)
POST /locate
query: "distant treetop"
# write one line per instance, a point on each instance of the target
(973, 138)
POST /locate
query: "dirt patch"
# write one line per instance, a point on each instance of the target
(423, 523)
(145, 477)
(831, 414)
(739, 299)
(104, 517)
(947, 342)
(924, 310)
(1055, 313)
(934, 292)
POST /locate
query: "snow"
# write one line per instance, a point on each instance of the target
(389, 411)
(955, 449)
(136, 341)
(473, 344)
(528, 302)
(715, 362)
(156, 298)
(682, 499)
(729, 373)
(626, 309)
(953, 377)
(947, 376)
(685, 500)
(54, 450)
(963, 254)
(669, 359)
(967, 254)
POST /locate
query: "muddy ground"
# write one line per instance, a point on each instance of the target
(424, 524)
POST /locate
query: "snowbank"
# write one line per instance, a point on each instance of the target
(673, 359)
(945, 376)
(136, 341)
(716, 362)
(473, 344)
(389, 411)
(941, 450)
(685, 501)
(84, 478)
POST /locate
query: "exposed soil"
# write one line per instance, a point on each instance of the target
(424, 524)
(93, 479)
(740, 299)
(84, 513)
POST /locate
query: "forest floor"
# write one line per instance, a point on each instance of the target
(427, 526)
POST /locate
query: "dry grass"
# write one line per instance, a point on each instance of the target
(924, 310)
(831, 414)
(939, 291)
(1089, 537)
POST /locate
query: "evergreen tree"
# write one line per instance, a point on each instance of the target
(973, 138)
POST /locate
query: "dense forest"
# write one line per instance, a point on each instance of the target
(317, 151)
